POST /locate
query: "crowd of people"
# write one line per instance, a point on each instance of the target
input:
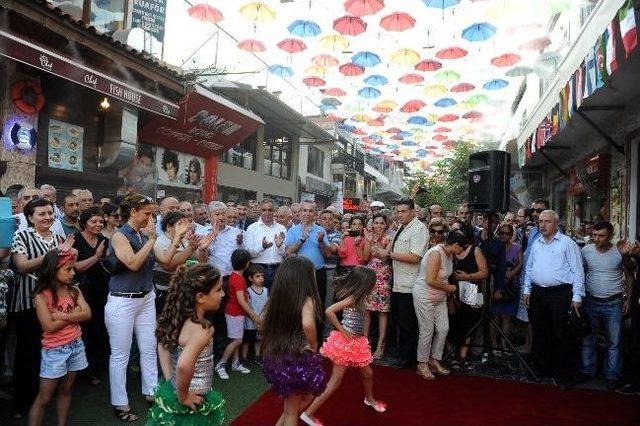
(282, 284)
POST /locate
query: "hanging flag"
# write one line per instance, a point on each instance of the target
(590, 72)
(579, 82)
(628, 29)
(555, 121)
(533, 142)
(528, 152)
(609, 40)
(522, 153)
(601, 67)
(564, 105)
(571, 96)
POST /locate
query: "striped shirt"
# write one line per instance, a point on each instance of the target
(32, 245)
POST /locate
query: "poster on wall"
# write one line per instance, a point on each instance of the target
(179, 169)
(65, 145)
(141, 175)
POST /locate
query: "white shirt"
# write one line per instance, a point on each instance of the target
(56, 228)
(254, 236)
(222, 247)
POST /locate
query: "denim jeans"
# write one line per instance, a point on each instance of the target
(608, 315)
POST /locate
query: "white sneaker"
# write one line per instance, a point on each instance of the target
(311, 421)
(222, 371)
(240, 369)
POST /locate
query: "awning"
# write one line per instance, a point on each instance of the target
(31, 54)
(207, 124)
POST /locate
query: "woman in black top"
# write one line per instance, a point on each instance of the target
(94, 280)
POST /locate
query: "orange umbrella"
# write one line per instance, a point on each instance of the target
(325, 60)
(398, 21)
(251, 45)
(205, 13)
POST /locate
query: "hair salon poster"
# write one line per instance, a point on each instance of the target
(65, 145)
(179, 169)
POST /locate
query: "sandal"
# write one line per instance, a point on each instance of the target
(377, 406)
(438, 368)
(424, 372)
(125, 416)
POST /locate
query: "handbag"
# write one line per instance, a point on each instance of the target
(469, 294)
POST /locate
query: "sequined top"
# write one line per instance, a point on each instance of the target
(353, 321)
(202, 378)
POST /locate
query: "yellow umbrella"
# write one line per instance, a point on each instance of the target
(432, 117)
(258, 12)
(387, 104)
(361, 118)
(405, 57)
(316, 70)
(434, 90)
(334, 42)
(464, 105)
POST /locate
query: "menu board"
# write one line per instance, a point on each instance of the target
(150, 15)
(351, 205)
(65, 145)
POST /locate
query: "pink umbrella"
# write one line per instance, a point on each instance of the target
(333, 117)
(439, 138)
(292, 45)
(351, 70)
(462, 87)
(359, 132)
(506, 60)
(363, 7)
(451, 53)
(411, 79)
(442, 130)
(325, 60)
(397, 21)
(376, 123)
(428, 65)
(251, 45)
(350, 25)
(205, 13)
(447, 118)
(393, 130)
(413, 106)
(536, 44)
(334, 91)
(382, 109)
(313, 81)
(472, 115)
(396, 138)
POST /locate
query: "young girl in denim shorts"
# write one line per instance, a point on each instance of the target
(60, 307)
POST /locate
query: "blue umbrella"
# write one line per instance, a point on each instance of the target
(328, 107)
(365, 59)
(394, 146)
(375, 137)
(376, 80)
(331, 101)
(404, 134)
(445, 102)
(440, 4)
(496, 84)
(480, 31)
(347, 127)
(369, 93)
(409, 143)
(304, 28)
(281, 70)
(421, 153)
(417, 119)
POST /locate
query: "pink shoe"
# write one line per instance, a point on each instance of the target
(377, 406)
(311, 421)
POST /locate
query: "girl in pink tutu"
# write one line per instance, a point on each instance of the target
(347, 346)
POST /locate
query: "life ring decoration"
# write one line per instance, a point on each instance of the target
(27, 96)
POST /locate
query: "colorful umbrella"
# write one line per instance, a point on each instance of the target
(405, 134)
(258, 12)
(205, 13)
(393, 130)
(334, 42)
(409, 143)
(350, 25)
(351, 70)
(334, 91)
(520, 71)
(440, 4)
(405, 57)
(361, 118)
(447, 77)
(365, 59)
(281, 70)
(330, 101)
(376, 80)
(472, 115)
(326, 107)
(292, 45)
(251, 45)
(417, 119)
(462, 87)
(363, 7)
(506, 60)
(413, 106)
(397, 21)
(479, 31)
(382, 109)
(325, 60)
(445, 102)
(495, 84)
(451, 53)
(313, 81)
(347, 127)
(428, 65)
(434, 90)
(316, 70)
(304, 28)
(477, 99)
(411, 79)
(441, 130)
(439, 138)
(536, 44)
(369, 93)
(447, 118)
(387, 103)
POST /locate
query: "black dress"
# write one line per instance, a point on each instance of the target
(94, 284)
(466, 316)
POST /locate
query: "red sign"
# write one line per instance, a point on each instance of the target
(351, 205)
(53, 63)
(207, 124)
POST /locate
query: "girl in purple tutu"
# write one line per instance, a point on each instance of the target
(347, 346)
(291, 363)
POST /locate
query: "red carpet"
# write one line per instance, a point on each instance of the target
(457, 400)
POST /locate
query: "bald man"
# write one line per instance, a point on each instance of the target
(435, 211)
(167, 205)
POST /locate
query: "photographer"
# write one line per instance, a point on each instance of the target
(352, 246)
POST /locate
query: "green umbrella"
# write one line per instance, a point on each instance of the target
(447, 77)
(477, 99)
(519, 71)
(557, 6)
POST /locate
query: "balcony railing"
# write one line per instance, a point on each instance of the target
(341, 157)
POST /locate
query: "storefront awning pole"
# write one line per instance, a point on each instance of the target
(597, 128)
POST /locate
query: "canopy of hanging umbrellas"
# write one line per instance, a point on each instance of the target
(405, 78)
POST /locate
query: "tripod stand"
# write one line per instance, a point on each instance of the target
(487, 320)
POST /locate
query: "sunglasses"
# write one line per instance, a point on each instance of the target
(538, 210)
(437, 231)
(267, 210)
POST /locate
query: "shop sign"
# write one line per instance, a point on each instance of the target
(351, 205)
(65, 146)
(23, 136)
(149, 15)
(43, 59)
(317, 186)
(588, 174)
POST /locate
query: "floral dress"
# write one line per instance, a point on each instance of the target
(380, 298)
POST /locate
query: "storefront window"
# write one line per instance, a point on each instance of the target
(277, 157)
(315, 162)
(243, 154)
(228, 193)
(279, 200)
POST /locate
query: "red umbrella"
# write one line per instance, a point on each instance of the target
(398, 21)
(251, 45)
(442, 130)
(536, 44)
(333, 117)
(292, 45)
(506, 60)
(349, 25)
(376, 123)
(205, 13)
(439, 138)
(396, 138)
(413, 106)
(313, 81)
(363, 7)
(325, 60)
(411, 79)
(452, 53)
(428, 65)
(472, 115)
(448, 144)
(359, 132)
(462, 87)
(448, 117)
(334, 91)
(393, 130)
(351, 70)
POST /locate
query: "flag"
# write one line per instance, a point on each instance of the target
(609, 39)
(571, 96)
(590, 72)
(527, 148)
(533, 142)
(555, 121)
(578, 83)
(564, 105)
(601, 67)
(628, 29)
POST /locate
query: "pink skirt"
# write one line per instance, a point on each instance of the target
(347, 352)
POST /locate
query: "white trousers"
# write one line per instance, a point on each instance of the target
(123, 317)
(433, 323)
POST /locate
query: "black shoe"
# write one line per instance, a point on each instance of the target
(629, 389)
(584, 378)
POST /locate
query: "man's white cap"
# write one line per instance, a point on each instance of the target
(377, 204)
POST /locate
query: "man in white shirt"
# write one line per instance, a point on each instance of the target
(49, 192)
(186, 208)
(226, 240)
(265, 241)
(168, 204)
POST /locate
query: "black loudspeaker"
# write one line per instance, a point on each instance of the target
(489, 173)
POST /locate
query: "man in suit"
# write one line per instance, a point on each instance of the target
(243, 221)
